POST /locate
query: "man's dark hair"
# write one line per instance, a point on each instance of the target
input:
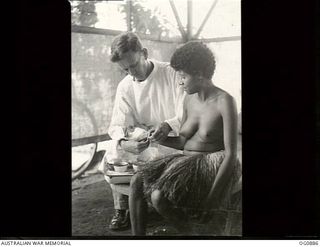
(194, 58)
(123, 43)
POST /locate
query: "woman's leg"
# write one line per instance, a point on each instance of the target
(138, 206)
(173, 215)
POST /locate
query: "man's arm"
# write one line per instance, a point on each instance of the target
(123, 116)
(175, 122)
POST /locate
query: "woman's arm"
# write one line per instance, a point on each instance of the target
(177, 142)
(227, 107)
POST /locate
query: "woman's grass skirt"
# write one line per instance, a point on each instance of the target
(187, 180)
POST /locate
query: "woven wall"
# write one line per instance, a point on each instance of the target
(95, 78)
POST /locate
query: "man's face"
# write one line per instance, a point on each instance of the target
(134, 63)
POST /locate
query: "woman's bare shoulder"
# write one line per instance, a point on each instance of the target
(220, 96)
(222, 99)
(224, 96)
(225, 101)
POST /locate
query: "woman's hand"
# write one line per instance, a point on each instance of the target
(135, 147)
(161, 132)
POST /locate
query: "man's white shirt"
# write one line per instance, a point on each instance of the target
(148, 103)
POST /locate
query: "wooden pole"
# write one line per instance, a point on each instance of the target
(221, 39)
(100, 31)
(176, 15)
(129, 13)
(189, 24)
(205, 19)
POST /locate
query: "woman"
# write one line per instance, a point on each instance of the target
(202, 177)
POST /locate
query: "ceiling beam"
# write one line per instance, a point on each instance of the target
(176, 15)
(221, 39)
(189, 23)
(205, 19)
(129, 13)
(93, 30)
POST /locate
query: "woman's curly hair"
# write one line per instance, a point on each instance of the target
(194, 58)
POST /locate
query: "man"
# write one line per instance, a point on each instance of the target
(149, 97)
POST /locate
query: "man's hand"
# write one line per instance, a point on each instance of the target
(135, 147)
(161, 132)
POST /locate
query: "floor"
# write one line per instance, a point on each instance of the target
(92, 210)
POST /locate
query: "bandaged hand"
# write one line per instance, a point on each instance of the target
(136, 134)
(135, 147)
(160, 133)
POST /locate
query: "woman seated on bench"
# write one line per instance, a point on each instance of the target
(202, 177)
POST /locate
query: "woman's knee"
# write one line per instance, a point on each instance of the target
(158, 201)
